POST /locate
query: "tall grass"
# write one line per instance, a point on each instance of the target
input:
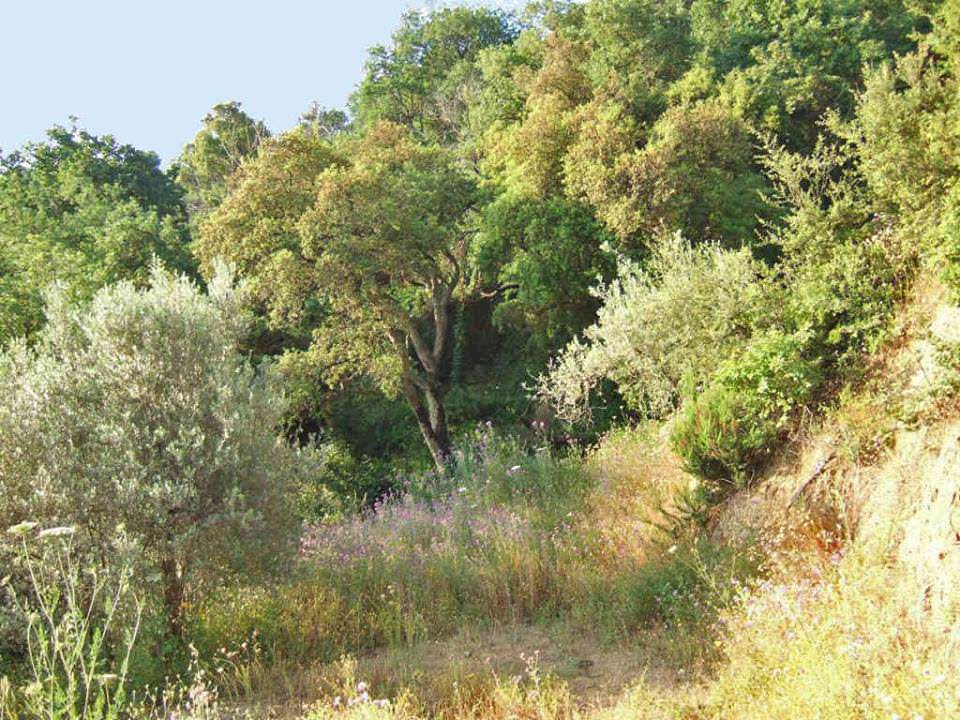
(71, 612)
(515, 535)
(522, 536)
(843, 644)
(835, 641)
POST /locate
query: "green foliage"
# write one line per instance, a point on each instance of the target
(677, 317)
(524, 150)
(345, 483)
(946, 30)
(85, 211)
(949, 247)
(324, 122)
(256, 226)
(423, 79)
(694, 172)
(228, 137)
(549, 254)
(359, 253)
(642, 115)
(385, 246)
(138, 410)
(640, 46)
(784, 64)
(907, 139)
(844, 267)
(385, 235)
(727, 430)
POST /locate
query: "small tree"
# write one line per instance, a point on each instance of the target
(389, 247)
(139, 411)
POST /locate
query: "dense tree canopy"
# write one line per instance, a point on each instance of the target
(227, 138)
(494, 167)
(257, 226)
(85, 211)
(424, 78)
(591, 130)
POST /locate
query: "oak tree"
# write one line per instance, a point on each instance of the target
(367, 248)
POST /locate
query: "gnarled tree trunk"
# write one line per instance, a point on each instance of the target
(424, 380)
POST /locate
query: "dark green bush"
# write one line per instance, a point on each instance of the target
(726, 431)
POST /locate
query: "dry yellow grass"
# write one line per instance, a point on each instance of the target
(638, 493)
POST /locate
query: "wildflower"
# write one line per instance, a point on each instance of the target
(22, 528)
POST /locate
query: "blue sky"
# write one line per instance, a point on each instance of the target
(148, 71)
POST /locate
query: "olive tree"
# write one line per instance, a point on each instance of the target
(672, 320)
(138, 411)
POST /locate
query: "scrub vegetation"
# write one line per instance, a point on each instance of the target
(599, 360)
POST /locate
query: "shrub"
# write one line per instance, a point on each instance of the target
(907, 139)
(948, 249)
(843, 265)
(139, 411)
(727, 430)
(675, 317)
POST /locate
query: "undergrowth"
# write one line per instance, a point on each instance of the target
(513, 537)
